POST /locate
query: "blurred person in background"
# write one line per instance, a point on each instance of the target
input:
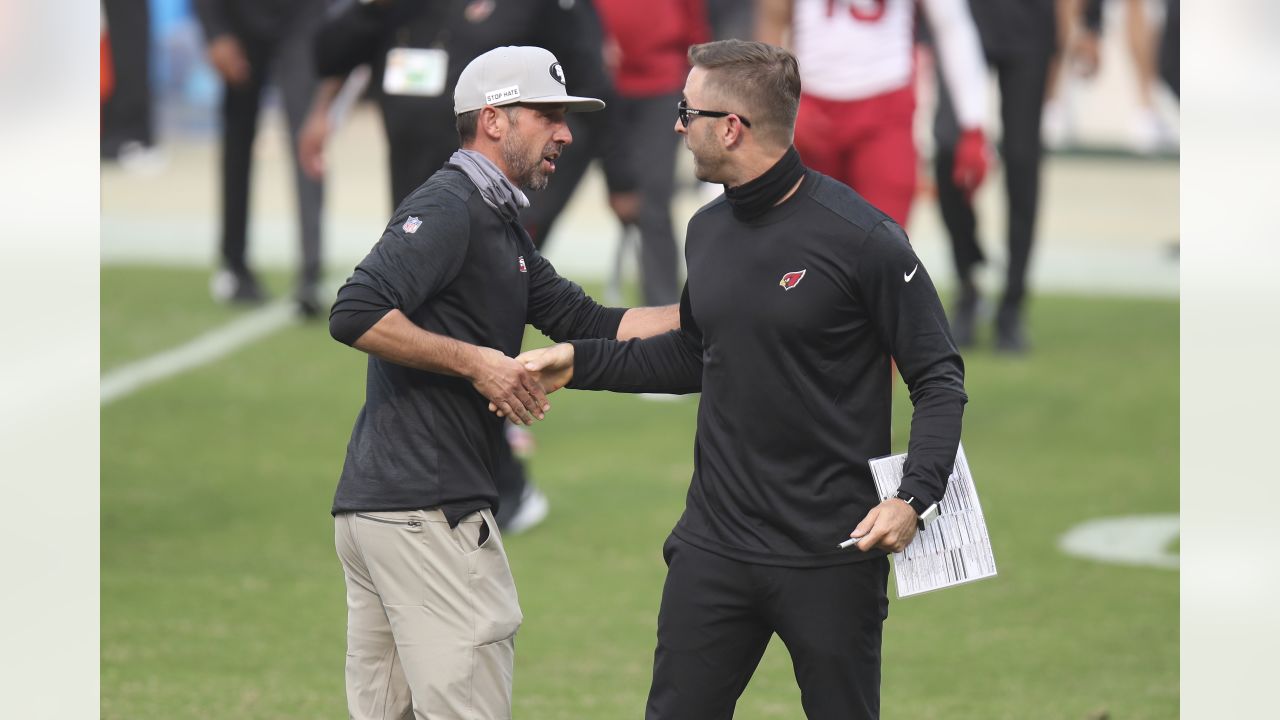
(128, 131)
(1019, 38)
(440, 305)
(858, 66)
(648, 46)
(1148, 131)
(250, 42)
(1169, 60)
(1080, 57)
(1151, 35)
(416, 50)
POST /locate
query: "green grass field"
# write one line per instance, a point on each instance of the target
(222, 596)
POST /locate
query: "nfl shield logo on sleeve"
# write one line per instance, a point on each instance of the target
(411, 225)
(523, 267)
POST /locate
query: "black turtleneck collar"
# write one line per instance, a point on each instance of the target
(753, 199)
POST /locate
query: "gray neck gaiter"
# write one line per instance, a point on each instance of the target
(495, 188)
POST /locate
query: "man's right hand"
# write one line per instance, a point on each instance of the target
(228, 58)
(551, 368)
(513, 391)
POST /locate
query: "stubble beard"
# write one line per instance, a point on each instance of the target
(526, 171)
(706, 162)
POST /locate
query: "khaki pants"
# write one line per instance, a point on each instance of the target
(432, 615)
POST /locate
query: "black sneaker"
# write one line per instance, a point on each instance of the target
(308, 302)
(531, 511)
(1011, 336)
(238, 287)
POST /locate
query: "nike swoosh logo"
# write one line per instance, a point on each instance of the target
(907, 276)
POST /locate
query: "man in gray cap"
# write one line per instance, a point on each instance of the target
(440, 306)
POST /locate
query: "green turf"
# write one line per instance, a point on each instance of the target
(222, 597)
(146, 309)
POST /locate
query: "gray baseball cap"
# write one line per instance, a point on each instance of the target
(515, 74)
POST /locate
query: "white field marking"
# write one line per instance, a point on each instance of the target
(204, 349)
(1131, 540)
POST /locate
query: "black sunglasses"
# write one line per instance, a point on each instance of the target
(687, 113)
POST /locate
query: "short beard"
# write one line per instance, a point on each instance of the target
(526, 173)
(706, 168)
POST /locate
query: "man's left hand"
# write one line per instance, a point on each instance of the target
(311, 141)
(891, 526)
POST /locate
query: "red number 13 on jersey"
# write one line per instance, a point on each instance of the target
(865, 10)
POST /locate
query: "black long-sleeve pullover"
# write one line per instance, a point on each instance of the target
(789, 323)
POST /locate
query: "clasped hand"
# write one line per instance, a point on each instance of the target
(550, 369)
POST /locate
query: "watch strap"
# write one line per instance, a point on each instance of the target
(925, 514)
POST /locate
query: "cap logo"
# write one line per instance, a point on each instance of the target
(494, 97)
(557, 72)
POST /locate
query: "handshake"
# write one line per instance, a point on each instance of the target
(517, 388)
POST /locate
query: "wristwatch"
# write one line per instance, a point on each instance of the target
(924, 515)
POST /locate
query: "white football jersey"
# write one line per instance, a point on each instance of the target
(856, 49)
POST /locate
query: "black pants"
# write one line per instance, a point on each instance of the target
(718, 615)
(1169, 46)
(1022, 79)
(126, 115)
(649, 127)
(421, 137)
(290, 59)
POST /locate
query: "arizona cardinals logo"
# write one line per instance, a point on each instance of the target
(792, 279)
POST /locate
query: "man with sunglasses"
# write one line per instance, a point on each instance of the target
(799, 295)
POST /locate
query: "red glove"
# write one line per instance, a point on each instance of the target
(970, 162)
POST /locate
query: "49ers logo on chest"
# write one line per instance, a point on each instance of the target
(792, 279)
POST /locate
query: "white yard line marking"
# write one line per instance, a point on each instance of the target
(203, 350)
(1132, 540)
